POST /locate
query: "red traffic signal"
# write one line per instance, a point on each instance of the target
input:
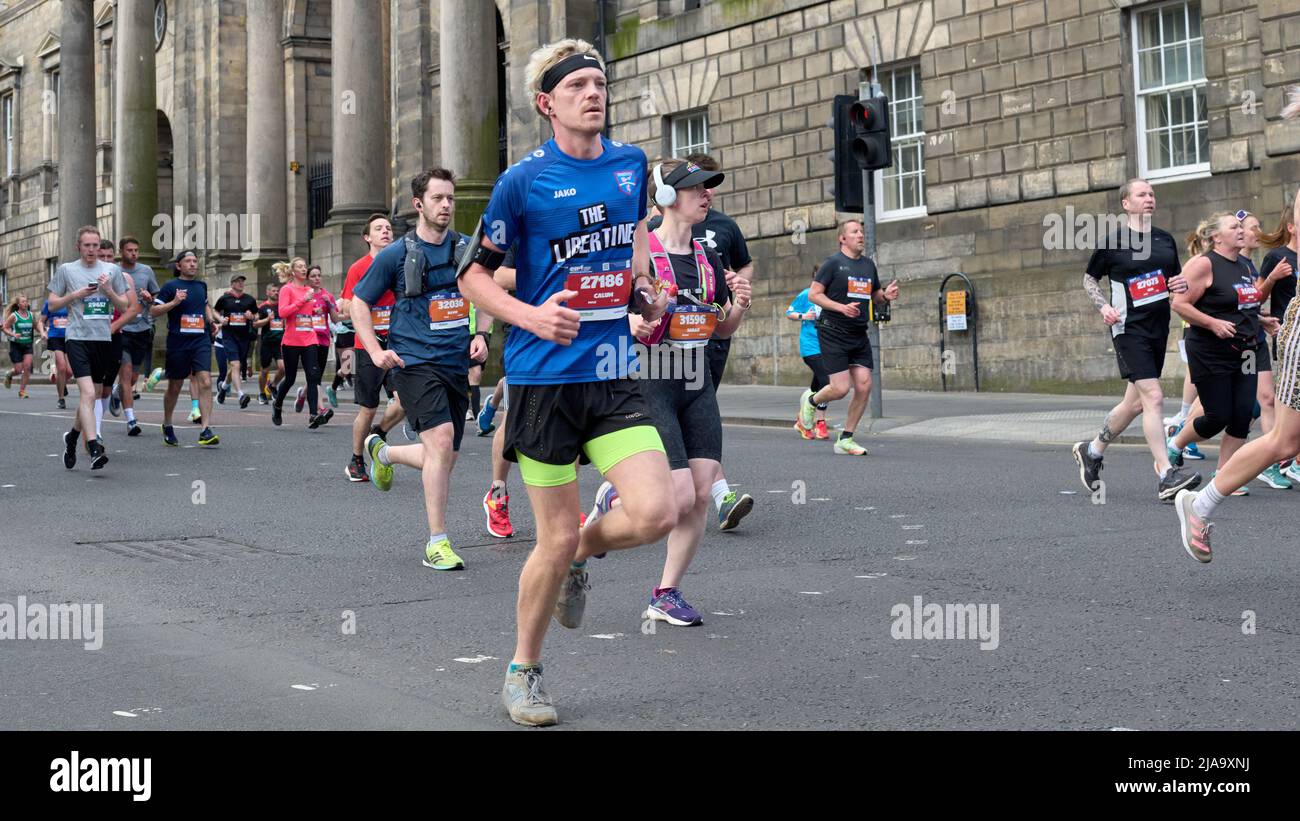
(871, 140)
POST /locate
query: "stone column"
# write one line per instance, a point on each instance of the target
(360, 134)
(76, 123)
(467, 46)
(135, 130)
(266, 164)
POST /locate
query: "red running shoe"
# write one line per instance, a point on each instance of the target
(498, 515)
(820, 430)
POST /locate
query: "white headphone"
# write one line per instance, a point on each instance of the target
(665, 195)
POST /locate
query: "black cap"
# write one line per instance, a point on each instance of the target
(689, 174)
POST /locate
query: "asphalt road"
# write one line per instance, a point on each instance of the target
(1103, 621)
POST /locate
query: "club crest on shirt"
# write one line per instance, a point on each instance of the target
(626, 181)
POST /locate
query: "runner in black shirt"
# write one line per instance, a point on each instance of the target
(268, 346)
(238, 312)
(847, 287)
(1141, 263)
(1277, 284)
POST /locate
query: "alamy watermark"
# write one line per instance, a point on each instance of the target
(1072, 231)
(63, 622)
(208, 232)
(659, 361)
(946, 621)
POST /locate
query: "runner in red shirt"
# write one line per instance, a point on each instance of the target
(370, 378)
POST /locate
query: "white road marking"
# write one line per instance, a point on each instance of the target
(864, 508)
(770, 491)
(476, 660)
(913, 527)
(811, 592)
(605, 636)
(173, 474)
(905, 558)
(303, 687)
(898, 515)
(872, 576)
(8, 485)
(917, 541)
(722, 613)
(124, 714)
(819, 499)
(1069, 493)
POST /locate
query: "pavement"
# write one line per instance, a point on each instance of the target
(250, 586)
(1011, 417)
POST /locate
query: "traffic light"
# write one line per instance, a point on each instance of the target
(870, 122)
(848, 176)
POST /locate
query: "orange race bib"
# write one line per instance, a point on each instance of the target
(601, 296)
(859, 288)
(60, 321)
(318, 322)
(691, 325)
(192, 323)
(448, 310)
(277, 324)
(381, 316)
(303, 322)
(238, 320)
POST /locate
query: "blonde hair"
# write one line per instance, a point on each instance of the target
(282, 271)
(1201, 240)
(547, 56)
(1281, 236)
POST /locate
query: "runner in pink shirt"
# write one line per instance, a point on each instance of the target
(299, 302)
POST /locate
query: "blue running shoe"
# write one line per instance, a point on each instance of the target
(485, 416)
(669, 606)
(1193, 452)
(169, 437)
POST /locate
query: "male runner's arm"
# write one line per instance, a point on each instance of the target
(364, 327)
(1198, 276)
(58, 300)
(40, 325)
(125, 317)
(1092, 286)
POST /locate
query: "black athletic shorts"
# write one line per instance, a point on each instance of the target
(1214, 358)
(843, 348)
(551, 423)
(237, 350)
(119, 345)
(269, 350)
(1263, 361)
(346, 341)
(98, 360)
(187, 358)
(1140, 357)
(718, 350)
(136, 345)
(18, 351)
(57, 343)
(432, 396)
(369, 378)
(687, 419)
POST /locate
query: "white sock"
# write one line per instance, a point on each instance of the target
(1092, 450)
(1183, 411)
(383, 456)
(1206, 501)
(498, 489)
(99, 417)
(130, 416)
(720, 489)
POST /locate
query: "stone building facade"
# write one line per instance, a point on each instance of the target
(311, 113)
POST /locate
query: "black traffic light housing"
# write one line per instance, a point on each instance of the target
(848, 176)
(871, 144)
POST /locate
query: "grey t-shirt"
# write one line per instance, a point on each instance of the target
(89, 319)
(144, 279)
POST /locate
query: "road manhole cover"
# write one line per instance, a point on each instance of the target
(184, 549)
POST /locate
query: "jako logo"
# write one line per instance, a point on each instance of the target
(946, 621)
(565, 192)
(75, 774)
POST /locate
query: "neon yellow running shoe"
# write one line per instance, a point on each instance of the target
(440, 556)
(381, 475)
(849, 447)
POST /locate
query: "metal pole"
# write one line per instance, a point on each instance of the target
(866, 91)
(776, 348)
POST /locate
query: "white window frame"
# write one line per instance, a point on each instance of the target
(7, 123)
(681, 150)
(1180, 172)
(896, 142)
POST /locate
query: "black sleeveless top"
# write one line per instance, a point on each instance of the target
(1232, 295)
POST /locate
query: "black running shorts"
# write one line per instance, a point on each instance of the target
(551, 423)
(843, 348)
(1140, 357)
(431, 397)
(98, 360)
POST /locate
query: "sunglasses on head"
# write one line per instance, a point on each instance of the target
(1241, 215)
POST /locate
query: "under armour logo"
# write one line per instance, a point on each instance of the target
(708, 238)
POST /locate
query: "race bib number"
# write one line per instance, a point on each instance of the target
(96, 307)
(691, 325)
(318, 322)
(60, 322)
(381, 316)
(601, 296)
(192, 323)
(238, 320)
(1144, 289)
(277, 324)
(1247, 295)
(859, 288)
(303, 322)
(447, 311)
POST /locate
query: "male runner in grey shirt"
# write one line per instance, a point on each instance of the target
(89, 289)
(137, 335)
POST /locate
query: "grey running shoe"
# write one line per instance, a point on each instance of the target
(1089, 468)
(733, 510)
(573, 598)
(1195, 530)
(1175, 480)
(525, 699)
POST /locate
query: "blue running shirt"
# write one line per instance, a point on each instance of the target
(573, 223)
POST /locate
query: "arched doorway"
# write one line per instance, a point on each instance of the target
(503, 140)
(165, 162)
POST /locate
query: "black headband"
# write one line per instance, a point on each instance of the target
(565, 67)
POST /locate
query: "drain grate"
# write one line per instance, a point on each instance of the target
(183, 549)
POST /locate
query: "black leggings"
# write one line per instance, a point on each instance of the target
(1229, 402)
(820, 378)
(310, 358)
